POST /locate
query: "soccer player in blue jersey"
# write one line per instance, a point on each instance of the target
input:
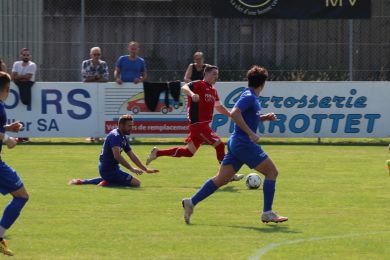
(110, 158)
(10, 181)
(242, 149)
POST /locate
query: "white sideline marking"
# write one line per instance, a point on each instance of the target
(262, 251)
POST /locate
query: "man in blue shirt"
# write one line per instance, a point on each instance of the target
(242, 149)
(10, 181)
(130, 68)
(110, 158)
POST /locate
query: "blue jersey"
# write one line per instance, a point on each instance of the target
(114, 138)
(130, 69)
(3, 121)
(249, 105)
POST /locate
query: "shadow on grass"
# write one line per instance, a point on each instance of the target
(269, 228)
(229, 189)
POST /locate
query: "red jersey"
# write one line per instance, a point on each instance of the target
(203, 110)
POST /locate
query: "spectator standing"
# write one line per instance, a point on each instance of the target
(3, 66)
(130, 68)
(23, 75)
(195, 70)
(94, 69)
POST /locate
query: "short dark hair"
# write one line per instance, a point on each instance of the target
(256, 76)
(5, 80)
(23, 49)
(123, 119)
(209, 68)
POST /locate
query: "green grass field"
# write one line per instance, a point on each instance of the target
(337, 199)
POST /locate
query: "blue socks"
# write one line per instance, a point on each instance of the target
(206, 190)
(94, 181)
(269, 192)
(12, 211)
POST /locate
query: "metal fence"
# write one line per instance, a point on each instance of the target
(60, 33)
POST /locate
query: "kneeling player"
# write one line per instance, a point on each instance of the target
(110, 158)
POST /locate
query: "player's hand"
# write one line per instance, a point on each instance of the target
(254, 137)
(195, 98)
(136, 171)
(15, 126)
(11, 142)
(152, 170)
(119, 81)
(270, 117)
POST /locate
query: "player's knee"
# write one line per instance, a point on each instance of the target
(273, 174)
(135, 183)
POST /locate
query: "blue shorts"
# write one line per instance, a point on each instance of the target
(114, 175)
(9, 179)
(243, 152)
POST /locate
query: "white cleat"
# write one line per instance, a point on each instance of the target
(188, 209)
(237, 177)
(271, 216)
(152, 156)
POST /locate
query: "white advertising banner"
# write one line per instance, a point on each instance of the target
(304, 109)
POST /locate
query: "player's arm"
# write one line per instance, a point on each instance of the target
(269, 117)
(239, 120)
(119, 158)
(8, 140)
(134, 158)
(187, 91)
(221, 109)
(13, 127)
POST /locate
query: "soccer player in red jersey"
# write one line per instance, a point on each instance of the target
(202, 99)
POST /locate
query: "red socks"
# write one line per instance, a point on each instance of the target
(220, 149)
(175, 152)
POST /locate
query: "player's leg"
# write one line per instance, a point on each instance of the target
(94, 181)
(229, 166)
(209, 187)
(179, 151)
(10, 214)
(120, 178)
(269, 170)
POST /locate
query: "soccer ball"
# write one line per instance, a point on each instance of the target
(253, 181)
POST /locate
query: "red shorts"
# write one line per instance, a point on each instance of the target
(202, 133)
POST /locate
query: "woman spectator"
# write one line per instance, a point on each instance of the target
(195, 70)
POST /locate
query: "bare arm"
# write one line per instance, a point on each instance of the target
(221, 109)
(134, 158)
(269, 117)
(117, 76)
(188, 74)
(239, 120)
(119, 158)
(13, 127)
(8, 140)
(187, 91)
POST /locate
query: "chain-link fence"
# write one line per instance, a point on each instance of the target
(60, 33)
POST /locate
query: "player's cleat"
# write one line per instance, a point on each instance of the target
(75, 182)
(271, 216)
(4, 248)
(188, 209)
(152, 156)
(237, 177)
(103, 183)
